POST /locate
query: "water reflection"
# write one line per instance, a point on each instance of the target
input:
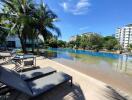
(124, 64)
(50, 54)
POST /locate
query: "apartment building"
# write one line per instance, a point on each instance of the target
(124, 35)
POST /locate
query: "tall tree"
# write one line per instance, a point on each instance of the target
(17, 13)
(110, 42)
(45, 19)
(3, 35)
(28, 20)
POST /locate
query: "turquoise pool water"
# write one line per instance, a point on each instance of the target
(88, 53)
(120, 63)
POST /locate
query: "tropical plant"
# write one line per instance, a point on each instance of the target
(83, 41)
(52, 42)
(96, 41)
(110, 44)
(61, 43)
(130, 45)
(118, 47)
(17, 13)
(77, 42)
(28, 20)
(129, 48)
(91, 41)
(71, 44)
(3, 32)
(45, 19)
(3, 35)
(106, 38)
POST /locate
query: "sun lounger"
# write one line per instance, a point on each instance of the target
(5, 55)
(28, 75)
(33, 87)
(19, 59)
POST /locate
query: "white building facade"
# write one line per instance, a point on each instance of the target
(13, 41)
(124, 35)
(73, 38)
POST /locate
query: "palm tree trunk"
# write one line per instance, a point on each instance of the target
(37, 46)
(33, 45)
(22, 40)
(23, 44)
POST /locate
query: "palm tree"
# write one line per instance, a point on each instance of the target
(17, 13)
(3, 35)
(29, 21)
(3, 32)
(45, 19)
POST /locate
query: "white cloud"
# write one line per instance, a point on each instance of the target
(83, 28)
(65, 6)
(76, 8)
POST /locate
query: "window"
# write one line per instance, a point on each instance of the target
(11, 44)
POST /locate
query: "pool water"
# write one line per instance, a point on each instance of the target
(120, 63)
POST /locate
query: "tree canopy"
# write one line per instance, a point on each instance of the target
(95, 42)
(28, 20)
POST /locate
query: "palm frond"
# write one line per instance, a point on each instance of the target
(8, 3)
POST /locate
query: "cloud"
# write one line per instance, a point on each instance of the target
(83, 28)
(76, 8)
(65, 6)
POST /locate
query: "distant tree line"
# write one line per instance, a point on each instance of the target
(55, 43)
(95, 42)
(87, 42)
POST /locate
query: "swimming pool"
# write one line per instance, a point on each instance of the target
(89, 53)
(121, 63)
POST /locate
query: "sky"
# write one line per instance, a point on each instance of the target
(80, 16)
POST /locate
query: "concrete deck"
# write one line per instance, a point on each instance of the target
(84, 88)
